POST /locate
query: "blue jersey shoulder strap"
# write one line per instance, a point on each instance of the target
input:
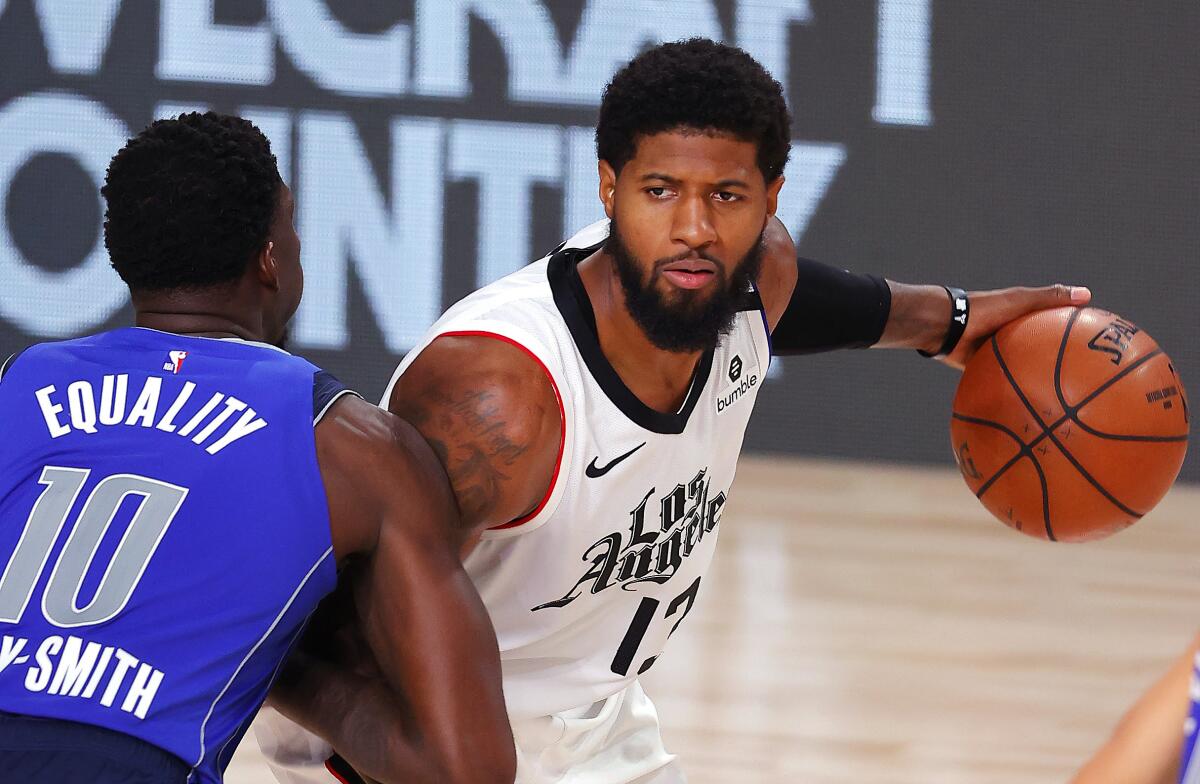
(327, 390)
(8, 363)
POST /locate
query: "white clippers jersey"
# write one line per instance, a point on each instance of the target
(584, 592)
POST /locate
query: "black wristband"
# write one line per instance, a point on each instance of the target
(960, 311)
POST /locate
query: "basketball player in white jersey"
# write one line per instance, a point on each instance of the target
(590, 408)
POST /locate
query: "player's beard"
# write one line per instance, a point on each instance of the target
(690, 320)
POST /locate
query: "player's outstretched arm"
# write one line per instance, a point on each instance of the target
(920, 315)
(1145, 746)
(813, 307)
(395, 526)
(491, 414)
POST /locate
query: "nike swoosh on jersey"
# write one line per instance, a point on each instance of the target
(594, 472)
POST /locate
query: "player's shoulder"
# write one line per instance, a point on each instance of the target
(506, 347)
(525, 297)
(778, 275)
(133, 349)
(121, 344)
(522, 297)
(507, 337)
(481, 376)
(370, 460)
(510, 334)
(327, 390)
(494, 417)
(43, 349)
(8, 362)
(371, 447)
(49, 351)
(351, 425)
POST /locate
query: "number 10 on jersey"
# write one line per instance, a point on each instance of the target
(158, 506)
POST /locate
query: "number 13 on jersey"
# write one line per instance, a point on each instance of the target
(641, 622)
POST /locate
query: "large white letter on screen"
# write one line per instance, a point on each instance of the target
(506, 159)
(76, 32)
(194, 49)
(810, 171)
(344, 216)
(612, 32)
(902, 63)
(276, 125)
(581, 191)
(338, 59)
(762, 30)
(86, 295)
(523, 28)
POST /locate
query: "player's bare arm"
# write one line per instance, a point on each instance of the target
(394, 525)
(1145, 746)
(492, 416)
(491, 421)
(917, 315)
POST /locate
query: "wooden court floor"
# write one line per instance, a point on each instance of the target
(867, 623)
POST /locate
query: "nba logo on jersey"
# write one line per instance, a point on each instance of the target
(174, 361)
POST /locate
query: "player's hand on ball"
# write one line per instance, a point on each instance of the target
(991, 310)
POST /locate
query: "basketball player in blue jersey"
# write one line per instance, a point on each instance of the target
(1145, 747)
(589, 409)
(177, 497)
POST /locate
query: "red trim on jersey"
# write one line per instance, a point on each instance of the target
(334, 773)
(562, 415)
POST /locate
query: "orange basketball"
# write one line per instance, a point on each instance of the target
(1070, 424)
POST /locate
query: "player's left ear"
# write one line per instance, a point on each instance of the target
(608, 187)
(267, 267)
(773, 194)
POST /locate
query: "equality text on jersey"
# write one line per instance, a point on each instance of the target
(214, 420)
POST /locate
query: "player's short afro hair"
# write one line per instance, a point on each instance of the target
(189, 202)
(696, 84)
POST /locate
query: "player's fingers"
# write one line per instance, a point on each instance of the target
(1007, 304)
(1057, 296)
(993, 309)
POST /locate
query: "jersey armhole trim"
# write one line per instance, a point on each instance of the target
(327, 390)
(760, 306)
(8, 363)
(562, 418)
(344, 776)
(321, 414)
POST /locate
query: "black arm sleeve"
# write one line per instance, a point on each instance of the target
(832, 309)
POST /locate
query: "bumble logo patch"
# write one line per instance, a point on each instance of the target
(742, 380)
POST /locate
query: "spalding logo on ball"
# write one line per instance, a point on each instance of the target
(1070, 424)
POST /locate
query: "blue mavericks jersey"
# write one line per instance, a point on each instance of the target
(164, 534)
(1189, 768)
